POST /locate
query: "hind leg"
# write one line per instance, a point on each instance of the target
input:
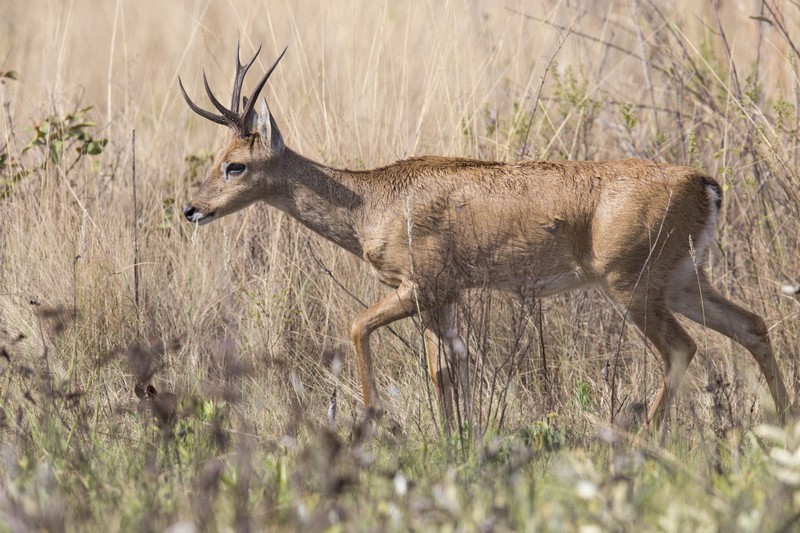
(652, 316)
(696, 299)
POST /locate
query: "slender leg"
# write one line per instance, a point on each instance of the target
(438, 369)
(446, 352)
(674, 345)
(677, 350)
(696, 299)
(399, 304)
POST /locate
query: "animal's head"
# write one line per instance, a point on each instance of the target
(239, 175)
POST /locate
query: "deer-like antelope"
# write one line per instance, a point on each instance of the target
(433, 227)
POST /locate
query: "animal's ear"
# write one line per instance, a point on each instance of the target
(268, 131)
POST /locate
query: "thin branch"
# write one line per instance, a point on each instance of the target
(550, 63)
(135, 229)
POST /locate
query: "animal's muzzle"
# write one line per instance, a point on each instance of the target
(189, 212)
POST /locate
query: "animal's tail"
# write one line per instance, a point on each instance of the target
(714, 190)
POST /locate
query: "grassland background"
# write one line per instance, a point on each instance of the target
(251, 322)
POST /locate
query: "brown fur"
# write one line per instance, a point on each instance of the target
(432, 227)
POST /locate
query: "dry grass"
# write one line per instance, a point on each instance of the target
(239, 320)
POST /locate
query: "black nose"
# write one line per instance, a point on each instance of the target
(189, 212)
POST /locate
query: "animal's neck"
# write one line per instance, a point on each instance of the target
(321, 198)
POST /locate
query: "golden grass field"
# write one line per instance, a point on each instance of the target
(247, 321)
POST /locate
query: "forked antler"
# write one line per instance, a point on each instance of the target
(231, 117)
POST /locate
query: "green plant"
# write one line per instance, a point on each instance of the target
(57, 136)
(11, 173)
(629, 116)
(543, 435)
(583, 395)
(10, 170)
(578, 111)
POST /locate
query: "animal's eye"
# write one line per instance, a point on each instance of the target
(235, 169)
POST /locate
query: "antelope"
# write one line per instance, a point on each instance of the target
(434, 227)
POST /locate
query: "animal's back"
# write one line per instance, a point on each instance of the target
(475, 223)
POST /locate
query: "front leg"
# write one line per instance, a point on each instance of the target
(401, 303)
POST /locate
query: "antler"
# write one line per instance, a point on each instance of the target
(231, 117)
